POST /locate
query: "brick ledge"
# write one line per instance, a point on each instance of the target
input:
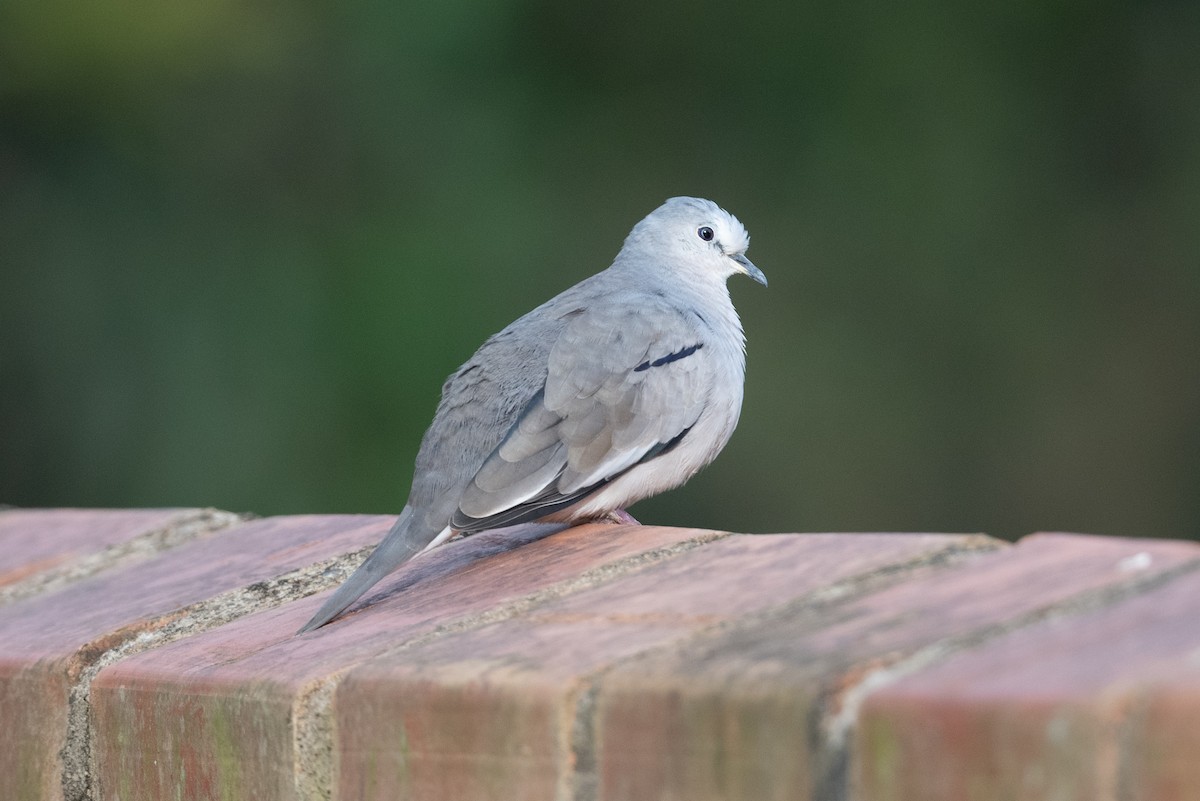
(150, 654)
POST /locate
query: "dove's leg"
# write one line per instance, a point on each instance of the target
(622, 517)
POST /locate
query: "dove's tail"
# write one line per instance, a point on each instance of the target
(402, 543)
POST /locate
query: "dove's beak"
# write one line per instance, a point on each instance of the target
(746, 266)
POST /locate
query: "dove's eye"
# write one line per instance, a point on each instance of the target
(705, 233)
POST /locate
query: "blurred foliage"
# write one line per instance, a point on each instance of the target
(242, 244)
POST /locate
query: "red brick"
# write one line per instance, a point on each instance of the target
(35, 540)
(1163, 741)
(1100, 705)
(580, 665)
(48, 641)
(718, 717)
(232, 693)
(490, 713)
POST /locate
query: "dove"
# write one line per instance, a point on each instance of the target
(617, 389)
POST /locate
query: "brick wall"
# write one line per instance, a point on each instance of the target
(150, 654)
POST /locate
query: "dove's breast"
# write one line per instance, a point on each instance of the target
(722, 382)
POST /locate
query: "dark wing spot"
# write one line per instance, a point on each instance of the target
(683, 353)
(677, 355)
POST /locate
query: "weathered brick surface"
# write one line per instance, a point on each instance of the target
(34, 541)
(715, 718)
(1097, 706)
(502, 711)
(253, 688)
(48, 643)
(1162, 742)
(602, 662)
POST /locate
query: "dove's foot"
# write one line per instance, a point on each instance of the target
(622, 517)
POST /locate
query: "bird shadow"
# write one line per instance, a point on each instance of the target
(460, 554)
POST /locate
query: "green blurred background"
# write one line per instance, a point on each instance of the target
(243, 243)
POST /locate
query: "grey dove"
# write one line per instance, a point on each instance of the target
(621, 387)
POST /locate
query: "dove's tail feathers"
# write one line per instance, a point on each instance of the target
(402, 543)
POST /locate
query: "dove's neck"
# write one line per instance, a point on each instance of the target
(704, 294)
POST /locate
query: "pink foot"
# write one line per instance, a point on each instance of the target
(623, 517)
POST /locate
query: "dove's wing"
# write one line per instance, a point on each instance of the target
(624, 384)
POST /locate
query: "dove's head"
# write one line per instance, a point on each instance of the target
(693, 234)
